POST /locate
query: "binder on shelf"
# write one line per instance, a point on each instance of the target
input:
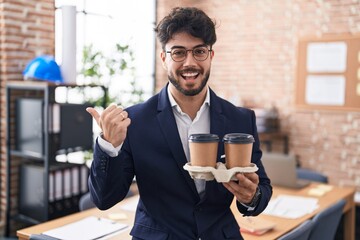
(67, 182)
(84, 178)
(51, 187)
(75, 176)
(58, 185)
(54, 126)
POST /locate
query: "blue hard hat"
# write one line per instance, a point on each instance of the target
(43, 68)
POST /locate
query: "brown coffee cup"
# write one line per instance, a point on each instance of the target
(203, 149)
(238, 149)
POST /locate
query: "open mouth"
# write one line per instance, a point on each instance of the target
(189, 75)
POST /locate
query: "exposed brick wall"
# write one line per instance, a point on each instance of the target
(26, 30)
(256, 61)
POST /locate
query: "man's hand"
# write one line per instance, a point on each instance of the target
(113, 122)
(244, 190)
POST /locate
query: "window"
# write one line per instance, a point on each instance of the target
(103, 24)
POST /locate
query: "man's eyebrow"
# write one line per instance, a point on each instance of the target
(200, 45)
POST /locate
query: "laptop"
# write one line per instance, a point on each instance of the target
(281, 169)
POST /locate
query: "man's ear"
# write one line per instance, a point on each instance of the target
(163, 58)
(212, 53)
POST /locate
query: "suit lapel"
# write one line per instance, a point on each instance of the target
(170, 132)
(217, 121)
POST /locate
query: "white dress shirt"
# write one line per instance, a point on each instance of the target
(186, 127)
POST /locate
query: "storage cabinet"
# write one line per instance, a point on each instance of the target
(40, 129)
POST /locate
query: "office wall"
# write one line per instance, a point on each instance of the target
(26, 30)
(256, 62)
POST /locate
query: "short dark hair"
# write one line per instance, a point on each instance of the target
(186, 19)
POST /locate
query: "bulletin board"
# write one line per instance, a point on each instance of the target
(328, 74)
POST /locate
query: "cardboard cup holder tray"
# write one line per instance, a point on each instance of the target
(220, 173)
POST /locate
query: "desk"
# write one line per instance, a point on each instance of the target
(24, 234)
(282, 225)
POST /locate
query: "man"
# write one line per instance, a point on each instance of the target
(150, 141)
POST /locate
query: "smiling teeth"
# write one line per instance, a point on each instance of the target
(189, 74)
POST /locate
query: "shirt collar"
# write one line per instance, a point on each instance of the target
(173, 103)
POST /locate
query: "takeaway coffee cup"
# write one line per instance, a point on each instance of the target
(238, 149)
(203, 149)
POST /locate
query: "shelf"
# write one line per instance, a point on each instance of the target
(40, 85)
(25, 154)
(46, 186)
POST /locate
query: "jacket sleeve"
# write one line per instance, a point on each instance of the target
(110, 177)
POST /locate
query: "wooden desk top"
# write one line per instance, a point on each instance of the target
(37, 229)
(282, 225)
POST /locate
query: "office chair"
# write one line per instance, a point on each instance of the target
(85, 202)
(301, 232)
(311, 175)
(327, 221)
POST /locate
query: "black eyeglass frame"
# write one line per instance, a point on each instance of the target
(189, 50)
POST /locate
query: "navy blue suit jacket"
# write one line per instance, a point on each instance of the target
(169, 205)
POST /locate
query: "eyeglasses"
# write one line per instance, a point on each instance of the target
(180, 54)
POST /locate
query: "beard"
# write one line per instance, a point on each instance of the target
(191, 92)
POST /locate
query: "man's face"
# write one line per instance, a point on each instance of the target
(188, 76)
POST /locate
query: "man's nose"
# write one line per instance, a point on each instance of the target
(189, 58)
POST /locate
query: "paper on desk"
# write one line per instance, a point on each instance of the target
(86, 229)
(291, 206)
(357, 197)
